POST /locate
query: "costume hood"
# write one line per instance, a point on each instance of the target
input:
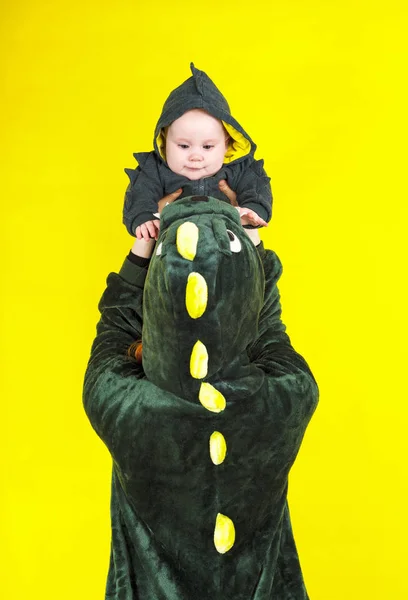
(200, 92)
(204, 271)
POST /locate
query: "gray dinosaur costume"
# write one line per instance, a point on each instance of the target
(153, 179)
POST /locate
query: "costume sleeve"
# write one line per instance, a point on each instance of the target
(292, 389)
(116, 390)
(254, 190)
(143, 192)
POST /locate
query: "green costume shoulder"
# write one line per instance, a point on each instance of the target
(204, 433)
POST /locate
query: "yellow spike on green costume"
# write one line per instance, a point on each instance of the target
(224, 534)
(196, 295)
(218, 448)
(211, 398)
(187, 238)
(199, 361)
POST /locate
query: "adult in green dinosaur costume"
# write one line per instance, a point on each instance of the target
(204, 432)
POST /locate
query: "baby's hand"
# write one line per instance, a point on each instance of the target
(149, 230)
(249, 217)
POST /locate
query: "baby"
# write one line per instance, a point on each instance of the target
(197, 143)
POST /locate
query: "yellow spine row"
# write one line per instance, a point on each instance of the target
(196, 299)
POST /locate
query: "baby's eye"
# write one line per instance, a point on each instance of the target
(207, 147)
(183, 146)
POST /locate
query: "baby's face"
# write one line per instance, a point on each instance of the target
(196, 144)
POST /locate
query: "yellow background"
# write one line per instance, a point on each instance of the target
(320, 86)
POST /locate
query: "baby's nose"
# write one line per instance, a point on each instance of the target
(196, 156)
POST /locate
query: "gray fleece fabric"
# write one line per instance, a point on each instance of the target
(153, 179)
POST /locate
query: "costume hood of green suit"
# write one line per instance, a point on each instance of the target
(231, 279)
(203, 435)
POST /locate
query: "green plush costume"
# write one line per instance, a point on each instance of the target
(203, 435)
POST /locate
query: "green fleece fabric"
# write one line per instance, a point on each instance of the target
(166, 490)
(153, 179)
